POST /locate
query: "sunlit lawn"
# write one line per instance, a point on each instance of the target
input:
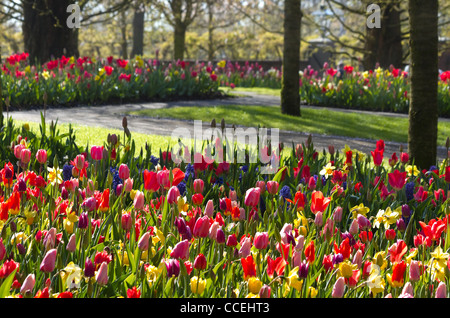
(86, 135)
(318, 121)
(256, 90)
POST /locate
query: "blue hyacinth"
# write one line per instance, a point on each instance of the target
(409, 189)
(181, 187)
(285, 192)
(67, 172)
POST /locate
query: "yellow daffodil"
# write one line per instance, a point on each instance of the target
(182, 205)
(375, 282)
(359, 209)
(68, 226)
(312, 292)
(439, 257)
(379, 259)
(71, 275)
(30, 215)
(250, 295)
(387, 217)
(412, 253)
(54, 175)
(45, 74)
(412, 170)
(152, 274)
(198, 285)
(293, 279)
(346, 269)
(254, 285)
(327, 170)
(222, 64)
(18, 237)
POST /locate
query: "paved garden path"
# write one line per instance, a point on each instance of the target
(110, 116)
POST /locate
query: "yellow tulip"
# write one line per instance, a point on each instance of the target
(198, 285)
(254, 285)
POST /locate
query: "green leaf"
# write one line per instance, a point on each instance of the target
(6, 285)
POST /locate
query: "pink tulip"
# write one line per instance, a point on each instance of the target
(261, 240)
(2, 250)
(128, 185)
(245, 249)
(318, 219)
(441, 291)
(201, 227)
(252, 197)
(272, 187)
(172, 195)
(49, 261)
(232, 195)
(102, 274)
(25, 155)
(41, 156)
(18, 149)
(354, 227)
(261, 185)
(79, 162)
(97, 152)
(338, 288)
(144, 241)
(124, 171)
(414, 271)
(296, 258)
(357, 259)
(139, 200)
(198, 185)
(50, 239)
(408, 290)
(209, 209)
(181, 250)
(337, 214)
(28, 284)
(163, 178)
(72, 244)
(126, 221)
(213, 230)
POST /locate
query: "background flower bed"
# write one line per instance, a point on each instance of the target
(118, 221)
(375, 90)
(69, 81)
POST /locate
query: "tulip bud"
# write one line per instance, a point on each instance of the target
(25, 155)
(220, 236)
(441, 291)
(49, 261)
(72, 244)
(124, 172)
(172, 195)
(401, 225)
(28, 284)
(126, 221)
(198, 185)
(261, 240)
(139, 200)
(339, 288)
(102, 274)
(209, 209)
(144, 241)
(128, 185)
(264, 292)
(200, 262)
(21, 185)
(89, 269)
(414, 271)
(261, 185)
(41, 156)
(354, 227)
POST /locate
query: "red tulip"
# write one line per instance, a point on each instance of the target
(201, 227)
(181, 250)
(150, 181)
(261, 240)
(318, 202)
(397, 179)
(248, 267)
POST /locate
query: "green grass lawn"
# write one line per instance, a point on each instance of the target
(256, 90)
(85, 135)
(319, 121)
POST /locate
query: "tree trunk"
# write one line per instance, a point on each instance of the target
(179, 41)
(384, 45)
(138, 31)
(45, 32)
(423, 111)
(123, 30)
(290, 90)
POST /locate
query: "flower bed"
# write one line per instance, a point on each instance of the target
(69, 81)
(376, 90)
(115, 221)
